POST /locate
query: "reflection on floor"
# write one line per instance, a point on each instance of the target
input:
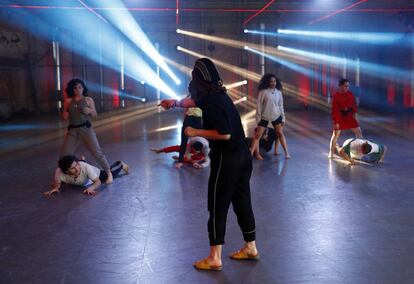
(318, 220)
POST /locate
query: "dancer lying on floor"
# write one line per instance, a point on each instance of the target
(196, 153)
(361, 149)
(78, 172)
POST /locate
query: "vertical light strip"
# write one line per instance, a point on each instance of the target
(344, 68)
(262, 43)
(177, 12)
(357, 75)
(56, 58)
(122, 65)
(157, 47)
(412, 73)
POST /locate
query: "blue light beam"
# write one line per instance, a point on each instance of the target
(378, 70)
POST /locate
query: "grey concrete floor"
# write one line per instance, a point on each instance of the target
(318, 220)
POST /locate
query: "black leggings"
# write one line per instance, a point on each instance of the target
(229, 182)
(115, 169)
(194, 122)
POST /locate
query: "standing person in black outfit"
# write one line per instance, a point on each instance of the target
(231, 162)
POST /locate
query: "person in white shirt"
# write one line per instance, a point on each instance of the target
(78, 172)
(363, 150)
(196, 153)
(269, 109)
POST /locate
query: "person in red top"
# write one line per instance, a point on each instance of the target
(344, 115)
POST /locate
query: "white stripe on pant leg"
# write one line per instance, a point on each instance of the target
(214, 204)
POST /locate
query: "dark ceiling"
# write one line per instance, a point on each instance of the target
(243, 12)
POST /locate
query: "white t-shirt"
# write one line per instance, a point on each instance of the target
(86, 175)
(270, 105)
(206, 149)
(355, 147)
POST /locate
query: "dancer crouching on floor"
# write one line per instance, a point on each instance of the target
(231, 162)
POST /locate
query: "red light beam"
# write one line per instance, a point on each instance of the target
(337, 12)
(258, 12)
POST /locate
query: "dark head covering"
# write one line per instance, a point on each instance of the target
(208, 71)
(206, 80)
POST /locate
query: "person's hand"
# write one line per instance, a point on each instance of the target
(50, 192)
(89, 191)
(336, 126)
(167, 104)
(197, 166)
(178, 165)
(65, 115)
(190, 132)
(87, 110)
(155, 150)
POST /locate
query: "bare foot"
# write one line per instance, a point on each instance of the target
(258, 157)
(178, 165)
(383, 155)
(287, 156)
(155, 150)
(125, 167)
(110, 179)
(276, 153)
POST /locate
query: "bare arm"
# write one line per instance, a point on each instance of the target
(342, 153)
(91, 189)
(282, 109)
(208, 134)
(259, 107)
(90, 109)
(184, 103)
(55, 185)
(65, 112)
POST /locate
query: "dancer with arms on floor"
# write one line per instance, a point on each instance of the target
(356, 149)
(73, 171)
(196, 153)
(231, 162)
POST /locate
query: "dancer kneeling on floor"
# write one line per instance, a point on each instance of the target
(78, 172)
(363, 150)
(196, 153)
